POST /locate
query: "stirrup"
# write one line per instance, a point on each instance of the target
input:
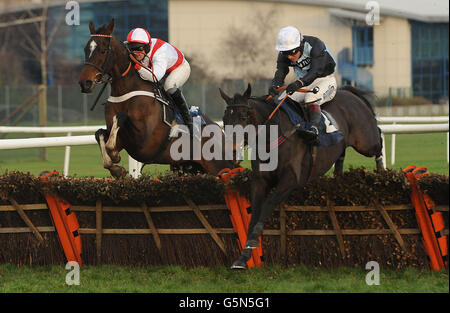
(314, 130)
(311, 135)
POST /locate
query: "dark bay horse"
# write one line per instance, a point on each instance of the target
(134, 109)
(296, 165)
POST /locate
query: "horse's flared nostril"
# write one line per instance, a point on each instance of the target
(86, 85)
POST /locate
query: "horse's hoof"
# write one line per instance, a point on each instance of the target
(252, 244)
(118, 172)
(239, 265)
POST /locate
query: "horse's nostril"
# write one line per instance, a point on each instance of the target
(85, 85)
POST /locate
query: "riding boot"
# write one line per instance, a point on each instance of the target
(181, 104)
(314, 118)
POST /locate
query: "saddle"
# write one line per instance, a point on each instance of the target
(329, 134)
(170, 113)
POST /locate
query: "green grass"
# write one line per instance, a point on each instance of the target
(427, 150)
(268, 279)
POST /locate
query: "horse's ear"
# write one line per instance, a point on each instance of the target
(225, 97)
(248, 92)
(91, 27)
(110, 27)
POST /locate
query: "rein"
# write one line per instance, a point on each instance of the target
(155, 79)
(314, 90)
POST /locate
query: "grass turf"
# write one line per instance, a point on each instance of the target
(267, 279)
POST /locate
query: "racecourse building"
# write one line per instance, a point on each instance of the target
(386, 46)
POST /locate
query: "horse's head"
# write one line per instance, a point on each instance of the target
(238, 110)
(98, 57)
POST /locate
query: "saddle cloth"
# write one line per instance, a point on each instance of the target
(193, 111)
(329, 134)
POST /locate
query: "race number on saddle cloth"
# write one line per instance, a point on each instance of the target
(166, 62)
(314, 67)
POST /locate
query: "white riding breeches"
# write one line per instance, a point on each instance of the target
(327, 90)
(178, 77)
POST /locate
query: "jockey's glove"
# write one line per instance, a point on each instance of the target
(293, 87)
(273, 91)
(137, 67)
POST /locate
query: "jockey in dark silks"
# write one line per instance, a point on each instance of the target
(314, 67)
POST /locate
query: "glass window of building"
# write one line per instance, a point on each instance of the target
(362, 45)
(429, 57)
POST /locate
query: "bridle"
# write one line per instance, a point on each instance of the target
(103, 70)
(105, 77)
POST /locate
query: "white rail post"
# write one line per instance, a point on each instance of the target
(67, 158)
(393, 147)
(134, 167)
(383, 150)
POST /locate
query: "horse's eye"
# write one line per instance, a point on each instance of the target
(103, 51)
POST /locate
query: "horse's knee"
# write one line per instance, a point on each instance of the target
(118, 120)
(101, 134)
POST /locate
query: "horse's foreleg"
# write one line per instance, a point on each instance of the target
(258, 192)
(339, 165)
(101, 135)
(284, 188)
(111, 144)
(379, 156)
(116, 171)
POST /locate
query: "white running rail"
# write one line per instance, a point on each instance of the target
(408, 128)
(67, 141)
(439, 124)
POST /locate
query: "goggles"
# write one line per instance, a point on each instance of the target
(291, 52)
(137, 48)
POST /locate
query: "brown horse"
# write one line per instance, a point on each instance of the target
(135, 111)
(296, 162)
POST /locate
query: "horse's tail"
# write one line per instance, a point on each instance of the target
(362, 94)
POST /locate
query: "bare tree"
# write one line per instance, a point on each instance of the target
(32, 26)
(245, 50)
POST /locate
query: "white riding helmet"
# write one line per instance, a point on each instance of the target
(288, 38)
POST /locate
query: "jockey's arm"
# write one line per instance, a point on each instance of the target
(281, 72)
(159, 66)
(320, 63)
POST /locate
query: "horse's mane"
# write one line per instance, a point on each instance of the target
(362, 94)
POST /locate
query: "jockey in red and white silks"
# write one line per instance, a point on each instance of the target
(166, 62)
